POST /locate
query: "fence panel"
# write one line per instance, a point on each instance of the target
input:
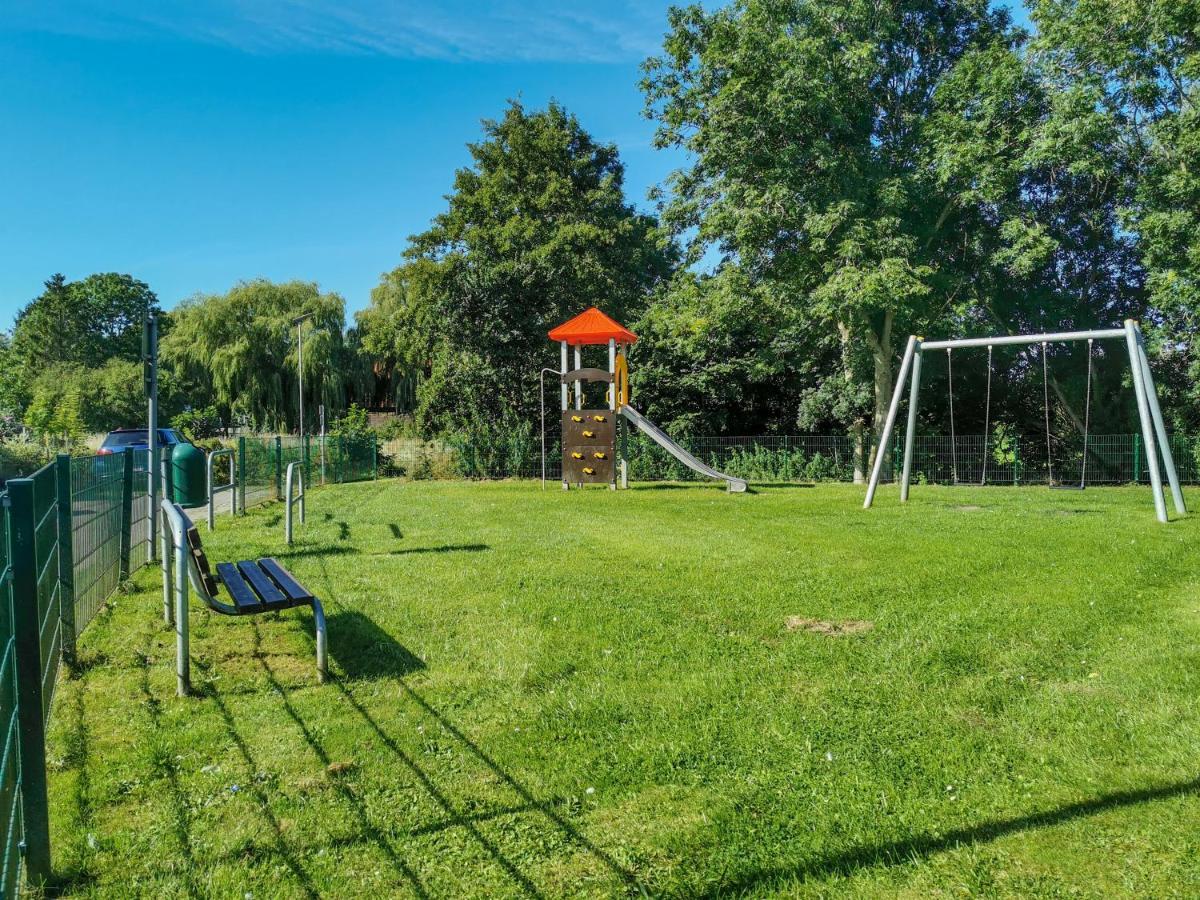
(12, 823)
(139, 522)
(97, 501)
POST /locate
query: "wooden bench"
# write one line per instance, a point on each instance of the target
(254, 586)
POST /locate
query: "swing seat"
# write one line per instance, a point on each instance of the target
(1066, 487)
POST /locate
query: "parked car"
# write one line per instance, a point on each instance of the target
(122, 439)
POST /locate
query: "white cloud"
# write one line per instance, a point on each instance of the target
(454, 30)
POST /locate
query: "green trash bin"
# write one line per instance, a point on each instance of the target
(188, 475)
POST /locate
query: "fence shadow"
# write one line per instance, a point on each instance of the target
(903, 852)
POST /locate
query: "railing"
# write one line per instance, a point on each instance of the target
(214, 489)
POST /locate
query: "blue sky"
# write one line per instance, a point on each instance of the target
(195, 144)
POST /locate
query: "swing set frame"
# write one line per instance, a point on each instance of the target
(1154, 431)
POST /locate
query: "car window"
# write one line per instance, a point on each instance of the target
(124, 438)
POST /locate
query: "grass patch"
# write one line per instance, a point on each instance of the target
(590, 693)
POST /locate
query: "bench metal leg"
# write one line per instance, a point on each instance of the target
(322, 640)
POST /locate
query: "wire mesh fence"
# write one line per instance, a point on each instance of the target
(98, 488)
(12, 824)
(968, 459)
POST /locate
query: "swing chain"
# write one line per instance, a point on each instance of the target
(1087, 417)
(1046, 404)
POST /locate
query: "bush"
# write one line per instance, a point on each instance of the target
(19, 458)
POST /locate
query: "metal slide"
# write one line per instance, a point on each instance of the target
(736, 485)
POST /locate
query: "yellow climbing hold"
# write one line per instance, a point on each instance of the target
(600, 455)
(589, 434)
(588, 470)
(576, 418)
(577, 456)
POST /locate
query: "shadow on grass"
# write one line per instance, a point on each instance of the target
(279, 847)
(444, 548)
(903, 852)
(364, 650)
(367, 829)
(318, 551)
(383, 647)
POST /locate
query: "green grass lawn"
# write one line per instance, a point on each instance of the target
(591, 693)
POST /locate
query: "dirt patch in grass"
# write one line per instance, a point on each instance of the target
(968, 507)
(832, 629)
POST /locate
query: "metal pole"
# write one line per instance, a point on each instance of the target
(1139, 388)
(578, 384)
(1160, 427)
(1005, 339)
(183, 654)
(542, 408)
(910, 433)
(564, 371)
(322, 411)
(300, 369)
(890, 422)
(152, 459)
(612, 397)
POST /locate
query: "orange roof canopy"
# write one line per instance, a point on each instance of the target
(592, 327)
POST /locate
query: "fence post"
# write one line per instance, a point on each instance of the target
(241, 464)
(1137, 458)
(1016, 460)
(66, 556)
(278, 467)
(126, 513)
(374, 459)
(28, 647)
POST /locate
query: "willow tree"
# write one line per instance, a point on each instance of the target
(239, 351)
(808, 128)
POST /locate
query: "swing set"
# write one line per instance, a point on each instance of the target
(1154, 432)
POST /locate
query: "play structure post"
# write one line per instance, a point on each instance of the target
(910, 433)
(1160, 427)
(890, 422)
(578, 384)
(612, 394)
(1139, 390)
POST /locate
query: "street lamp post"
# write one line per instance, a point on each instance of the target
(299, 323)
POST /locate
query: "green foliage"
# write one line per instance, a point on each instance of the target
(494, 448)
(536, 230)
(20, 457)
(238, 351)
(200, 426)
(809, 127)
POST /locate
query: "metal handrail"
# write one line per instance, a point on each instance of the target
(295, 473)
(214, 489)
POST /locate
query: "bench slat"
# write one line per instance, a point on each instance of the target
(244, 598)
(284, 579)
(263, 586)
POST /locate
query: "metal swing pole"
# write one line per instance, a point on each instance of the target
(1139, 390)
(890, 422)
(911, 431)
(1159, 426)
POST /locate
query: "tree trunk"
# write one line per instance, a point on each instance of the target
(881, 356)
(858, 428)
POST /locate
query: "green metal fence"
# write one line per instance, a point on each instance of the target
(12, 823)
(70, 533)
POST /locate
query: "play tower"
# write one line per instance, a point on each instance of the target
(589, 444)
(589, 435)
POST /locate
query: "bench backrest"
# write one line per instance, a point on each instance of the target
(199, 557)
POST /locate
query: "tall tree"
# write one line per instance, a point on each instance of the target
(1126, 76)
(808, 124)
(239, 351)
(536, 230)
(83, 323)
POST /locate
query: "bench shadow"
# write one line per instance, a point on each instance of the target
(919, 847)
(364, 650)
(317, 551)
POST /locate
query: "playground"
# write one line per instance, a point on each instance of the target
(667, 690)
